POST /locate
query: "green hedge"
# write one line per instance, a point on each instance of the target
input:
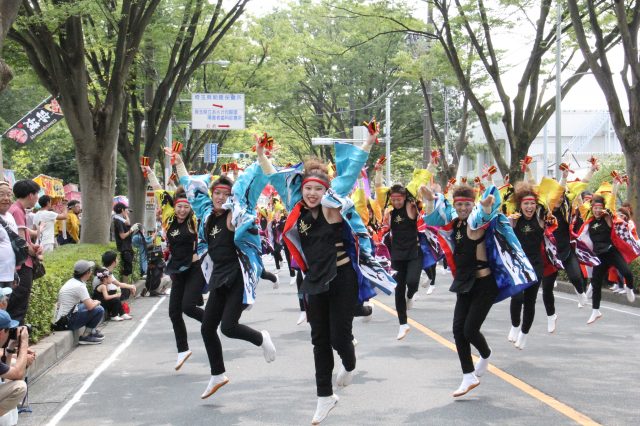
(59, 265)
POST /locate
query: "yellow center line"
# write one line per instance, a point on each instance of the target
(561, 407)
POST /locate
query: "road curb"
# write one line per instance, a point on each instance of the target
(607, 295)
(57, 345)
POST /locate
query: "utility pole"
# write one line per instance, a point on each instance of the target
(387, 133)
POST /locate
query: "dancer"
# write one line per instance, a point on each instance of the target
(612, 243)
(314, 230)
(530, 224)
(183, 266)
(233, 264)
(478, 271)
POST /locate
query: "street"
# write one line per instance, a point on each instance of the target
(580, 374)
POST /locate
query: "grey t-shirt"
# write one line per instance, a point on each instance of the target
(71, 293)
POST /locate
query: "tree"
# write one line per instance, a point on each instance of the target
(8, 13)
(61, 38)
(590, 36)
(202, 27)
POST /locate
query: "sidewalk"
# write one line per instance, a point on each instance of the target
(57, 345)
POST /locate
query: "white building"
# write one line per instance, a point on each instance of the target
(584, 133)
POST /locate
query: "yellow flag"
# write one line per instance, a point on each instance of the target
(420, 177)
(506, 195)
(605, 191)
(360, 203)
(575, 188)
(550, 193)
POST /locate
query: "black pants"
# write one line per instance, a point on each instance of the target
(186, 293)
(19, 300)
(292, 272)
(470, 312)
(277, 254)
(608, 259)
(527, 299)
(431, 274)
(407, 280)
(330, 315)
(224, 308)
(574, 273)
(299, 280)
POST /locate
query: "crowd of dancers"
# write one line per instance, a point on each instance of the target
(344, 241)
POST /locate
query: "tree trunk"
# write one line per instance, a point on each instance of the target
(97, 184)
(633, 171)
(136, 190)
(8, 13)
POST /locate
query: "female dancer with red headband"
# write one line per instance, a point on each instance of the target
(601, 232)
(486, 268)
(314, 230)
(406, 255)
(530, 227)
(183, 266)
(226, 221)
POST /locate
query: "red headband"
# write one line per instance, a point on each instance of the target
(463, 199)
(221, 186)
(181, 200)
(316, 180)
(528, 197)
(597, 203)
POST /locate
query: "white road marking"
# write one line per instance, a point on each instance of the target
(573, 299)
(105, 364)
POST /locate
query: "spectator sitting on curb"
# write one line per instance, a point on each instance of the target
(110, 261)
(13, 391)
(45, 221)
(75, 309)
(107, 293)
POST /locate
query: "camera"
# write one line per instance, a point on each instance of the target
(13, 332)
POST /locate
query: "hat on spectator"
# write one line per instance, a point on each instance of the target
(81, 267)
(5, 291)
(6, 321)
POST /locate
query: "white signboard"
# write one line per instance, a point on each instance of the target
(217, 111)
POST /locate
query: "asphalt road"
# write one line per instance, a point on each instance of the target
(580, 374)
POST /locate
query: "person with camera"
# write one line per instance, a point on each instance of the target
(75, 309)
(123, 231)
(15, 341)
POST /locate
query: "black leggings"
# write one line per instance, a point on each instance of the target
(528, 299)
(224, 308)
(470, 312)
(186, 294)
(431, 274)
(608, 259)
(330, 315)
(292, 272)
(277, 254)
(574, 273)
(407, 280)
(299, 280)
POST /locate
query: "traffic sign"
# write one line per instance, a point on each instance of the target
(211, 153)
(217, 111)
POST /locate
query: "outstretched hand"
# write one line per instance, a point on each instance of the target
(487, 202)
(175, 157)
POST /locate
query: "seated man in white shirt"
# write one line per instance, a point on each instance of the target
(76, 309)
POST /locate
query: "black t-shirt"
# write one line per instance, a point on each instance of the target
(404, 235)
(181, 246)
(222, 250)
(600, 233)
(120, 227)
(531, 237)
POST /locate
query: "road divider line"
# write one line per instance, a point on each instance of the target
(602, 306)
(105, 364)
(560, 407)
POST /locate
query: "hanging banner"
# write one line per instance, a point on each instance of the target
(36, 122)
(211, 153)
